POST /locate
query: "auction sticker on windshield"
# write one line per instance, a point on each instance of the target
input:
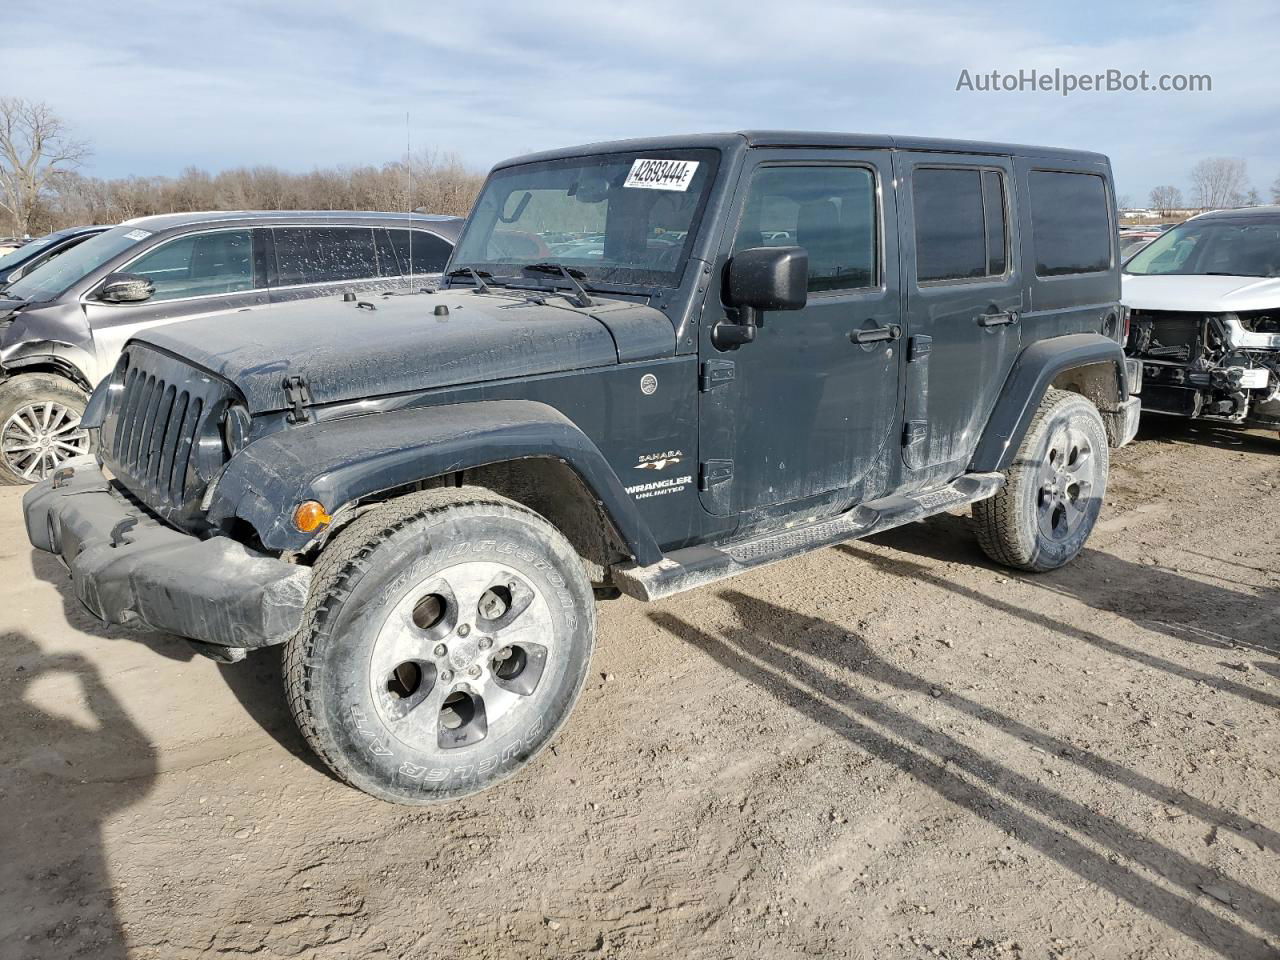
(138, 234)
(661, 174)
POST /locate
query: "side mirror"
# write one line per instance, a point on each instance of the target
(126, 288)
(758, 279)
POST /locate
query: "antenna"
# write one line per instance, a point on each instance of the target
(408, 166)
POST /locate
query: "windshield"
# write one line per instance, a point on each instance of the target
(625, 218)
(1247, 247)
(53, 278)
(28, 250)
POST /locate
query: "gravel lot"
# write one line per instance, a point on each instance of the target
(886, 749)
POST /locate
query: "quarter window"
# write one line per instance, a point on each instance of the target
(1070, 222)
(830, 211)
(961, 224)
(199, 265)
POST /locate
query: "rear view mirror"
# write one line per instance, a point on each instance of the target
(758, 279)
(126, 288)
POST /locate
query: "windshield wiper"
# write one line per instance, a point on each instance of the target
(476, 275)
(580, 297)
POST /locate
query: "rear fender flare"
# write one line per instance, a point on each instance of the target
(1033, 373)
(339, 462)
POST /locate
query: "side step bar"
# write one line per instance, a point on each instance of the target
(698, 566)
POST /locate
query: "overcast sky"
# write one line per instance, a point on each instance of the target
(158, 86)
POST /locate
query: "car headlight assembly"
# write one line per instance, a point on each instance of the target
(235, 429)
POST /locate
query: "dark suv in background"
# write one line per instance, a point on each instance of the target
(62, 325)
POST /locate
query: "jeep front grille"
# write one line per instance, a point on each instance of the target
(161, 439)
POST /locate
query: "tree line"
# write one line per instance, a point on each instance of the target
(41, 188)
(1216, 182)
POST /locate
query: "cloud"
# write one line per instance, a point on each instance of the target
(300, 85)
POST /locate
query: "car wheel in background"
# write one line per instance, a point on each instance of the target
(39, 426)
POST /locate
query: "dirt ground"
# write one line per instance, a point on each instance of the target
(886, 749)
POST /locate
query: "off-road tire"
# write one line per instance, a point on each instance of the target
(32, 392)
(1011, 526)
(360, 586)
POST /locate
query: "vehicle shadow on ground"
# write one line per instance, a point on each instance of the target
(792, 663)
(1153, 597)
(1154, 427)
(257, 682)
(62, 776)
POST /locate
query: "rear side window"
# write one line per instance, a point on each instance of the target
(961, 223)
(199, 265)
(1070, 223)
(420, 252)
(324, 254)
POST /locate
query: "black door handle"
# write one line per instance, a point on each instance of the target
(891, 332)
(997, 319)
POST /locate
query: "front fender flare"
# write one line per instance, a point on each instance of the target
(338, 462)
(1033, 372)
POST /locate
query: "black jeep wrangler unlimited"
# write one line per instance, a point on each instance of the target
(654, 364)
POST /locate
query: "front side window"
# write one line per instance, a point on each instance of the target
(961, 224)
(58, 275)
(1228, 246)
(198, 265)
(324, 254)
(1070, 222)
(614, 218)
(829, 211)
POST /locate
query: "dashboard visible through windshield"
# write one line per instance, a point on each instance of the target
(611, 219)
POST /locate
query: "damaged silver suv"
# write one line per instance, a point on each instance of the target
(1204, 318)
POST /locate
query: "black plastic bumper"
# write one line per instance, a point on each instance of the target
(145, 573)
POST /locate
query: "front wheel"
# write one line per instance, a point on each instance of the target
(1046, 510)
(447, 638)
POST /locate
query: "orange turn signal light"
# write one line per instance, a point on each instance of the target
(310, 516)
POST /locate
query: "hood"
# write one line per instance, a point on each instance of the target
(347, 352)
(1200, 294)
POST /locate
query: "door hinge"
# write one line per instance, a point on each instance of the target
(298, 395)
(713, 472)
(714, 373)
(918, 348)
(914, 431)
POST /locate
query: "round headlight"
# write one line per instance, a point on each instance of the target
(235, 429)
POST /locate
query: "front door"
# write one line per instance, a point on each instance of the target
(809, 407)
(197, 274)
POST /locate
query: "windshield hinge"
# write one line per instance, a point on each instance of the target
(298, 395)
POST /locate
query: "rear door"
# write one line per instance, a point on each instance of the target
(810, 405)
(965, 299)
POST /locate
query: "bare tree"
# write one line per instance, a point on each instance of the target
(1124, 201)
(1166, 199)
(35, 146)
(1253, 198)
(1219, 182)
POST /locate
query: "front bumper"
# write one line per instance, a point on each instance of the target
(1122, 423)
(145, 573)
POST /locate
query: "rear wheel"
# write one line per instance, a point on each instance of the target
(447, 638)
(39, 426)
(1047, 508)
